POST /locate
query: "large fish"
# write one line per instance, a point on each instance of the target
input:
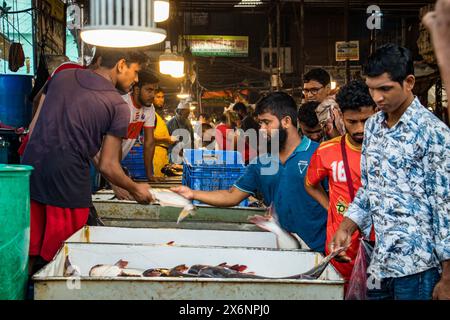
(224, 272)
(119, 269)
(203, 271)
(166, 197)
(270, 222)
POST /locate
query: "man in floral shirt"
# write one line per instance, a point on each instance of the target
(405, 175)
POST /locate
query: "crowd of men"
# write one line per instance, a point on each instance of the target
(370, 162)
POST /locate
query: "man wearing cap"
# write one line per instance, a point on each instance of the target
(181, 121)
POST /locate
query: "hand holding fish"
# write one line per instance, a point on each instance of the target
(184, 191)
(342, 238)
(171, 198)
(140, 193)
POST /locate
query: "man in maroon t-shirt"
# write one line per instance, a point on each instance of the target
(82, 114)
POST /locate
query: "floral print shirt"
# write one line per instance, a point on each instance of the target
(405, 193)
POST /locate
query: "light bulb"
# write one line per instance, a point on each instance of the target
(161, 10)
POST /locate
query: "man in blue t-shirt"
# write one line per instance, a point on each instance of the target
(279, 175)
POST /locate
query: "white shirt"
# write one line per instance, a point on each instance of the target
(139, 118)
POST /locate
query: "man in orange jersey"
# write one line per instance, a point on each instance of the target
(339, 159)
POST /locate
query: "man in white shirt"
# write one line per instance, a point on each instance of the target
(142, 115)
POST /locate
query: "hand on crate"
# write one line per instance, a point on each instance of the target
(184, 191)
(121, 194)
(141, 193)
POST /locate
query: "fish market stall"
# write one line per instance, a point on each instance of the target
(78, 259)
(122, 213)
(174, 237)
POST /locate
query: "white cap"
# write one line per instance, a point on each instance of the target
(183, 105)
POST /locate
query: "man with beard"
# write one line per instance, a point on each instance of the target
(277, 175)
(82, 114)
(334, 157)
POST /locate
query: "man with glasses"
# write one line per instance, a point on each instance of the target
(316, 85)
(316, 88)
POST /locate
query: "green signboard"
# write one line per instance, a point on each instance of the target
(216, 46)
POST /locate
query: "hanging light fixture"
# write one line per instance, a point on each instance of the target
(122, 24)
(184, 92)
(161, 10)
(170, 63)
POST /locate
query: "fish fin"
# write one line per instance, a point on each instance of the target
(121, 264)
(238, 267)
(184, 214)
(69, 270)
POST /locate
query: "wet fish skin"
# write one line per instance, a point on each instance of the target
(270, 222)
(119, 269)
(156, 272)
(195, 269)
(284, 239)
(166, 197)
(103, 270)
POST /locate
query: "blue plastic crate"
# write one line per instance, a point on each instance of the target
(210, 170)
(134, 162)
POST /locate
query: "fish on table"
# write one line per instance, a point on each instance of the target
(119, 269)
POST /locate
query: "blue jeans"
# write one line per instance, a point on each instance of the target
(418, 286)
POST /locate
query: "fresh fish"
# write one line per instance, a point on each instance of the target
(316, 272)
(180, 271)
(270, 222)
(168, 198)
(195, 269)
(223, 272)
(119, 269)
(69, 269)
(157, 272)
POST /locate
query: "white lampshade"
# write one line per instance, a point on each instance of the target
(184, 93)
(170, 63)
(161, 10)
(122, 24)
(177, 74)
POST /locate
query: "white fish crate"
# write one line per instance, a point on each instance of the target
(183, 237)
(50, 282)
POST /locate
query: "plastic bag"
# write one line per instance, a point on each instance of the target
(357, 287)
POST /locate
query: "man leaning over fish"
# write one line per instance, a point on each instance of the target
(278, 176)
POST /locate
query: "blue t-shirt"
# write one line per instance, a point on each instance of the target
(283, 186)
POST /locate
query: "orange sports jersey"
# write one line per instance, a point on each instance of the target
(327, 162)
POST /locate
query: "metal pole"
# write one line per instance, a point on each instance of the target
(347, 62)
(81, 27)
(270, 51)
(403, 32)
(302, 41)
(278, 47)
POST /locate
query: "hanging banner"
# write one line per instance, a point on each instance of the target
(216, 46)
(347, 50)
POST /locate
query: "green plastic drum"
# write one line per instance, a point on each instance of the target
(14, 230)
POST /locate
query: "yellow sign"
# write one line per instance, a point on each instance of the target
(347, 51)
